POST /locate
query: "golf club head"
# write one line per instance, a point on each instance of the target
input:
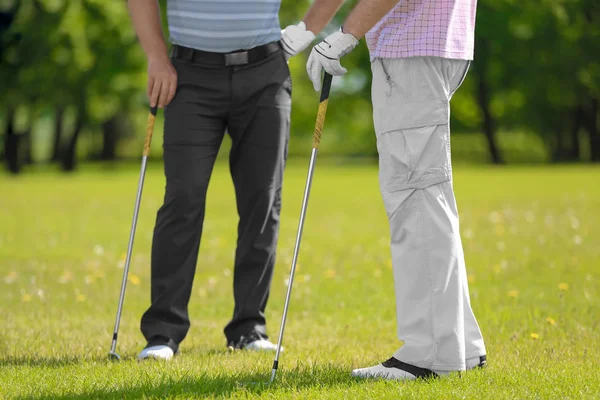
(114, 356)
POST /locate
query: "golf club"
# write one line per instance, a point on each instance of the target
(149, 129)
(313, 157)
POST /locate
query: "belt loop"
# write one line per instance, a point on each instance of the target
(174, 51)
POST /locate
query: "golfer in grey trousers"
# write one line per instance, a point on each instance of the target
(420, 53)
(227, 72)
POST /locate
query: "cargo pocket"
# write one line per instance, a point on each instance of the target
(411, 116)
(414, 158)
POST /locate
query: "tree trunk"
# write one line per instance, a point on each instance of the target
(575, 151)
(559, 152)
(593, 134)
(59, 114)
(27, 140)
(489, 124)
(112, 131)
(11, 144)
(69, 155)
(27, 146)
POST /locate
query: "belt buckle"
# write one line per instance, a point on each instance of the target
(239, 58)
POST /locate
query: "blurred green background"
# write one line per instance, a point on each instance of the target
(72, 86)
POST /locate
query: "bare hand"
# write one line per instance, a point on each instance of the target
(162, 81)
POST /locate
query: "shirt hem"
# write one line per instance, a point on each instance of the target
(453, 55)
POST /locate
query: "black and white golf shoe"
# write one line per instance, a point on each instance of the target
(255, 341)
(394, 369)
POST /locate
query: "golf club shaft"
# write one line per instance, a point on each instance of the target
(147, 143)
(313, 158)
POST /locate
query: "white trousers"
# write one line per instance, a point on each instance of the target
(411, 111)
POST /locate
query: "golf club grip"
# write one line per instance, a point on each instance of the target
(322, 110)
(149, 130)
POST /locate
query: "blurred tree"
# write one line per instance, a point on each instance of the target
(11, 139)
(79, 56)
(536, 69)
(482, 68)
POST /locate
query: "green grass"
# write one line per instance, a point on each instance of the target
(531, 238)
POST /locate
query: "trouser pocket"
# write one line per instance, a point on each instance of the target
(411, 118)
(414, 158)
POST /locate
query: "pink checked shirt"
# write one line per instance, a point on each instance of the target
(437, 28)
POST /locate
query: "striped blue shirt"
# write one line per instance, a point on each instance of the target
(223, 25)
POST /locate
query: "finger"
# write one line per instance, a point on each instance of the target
(335, 68)
(151, 82)
(164, 92)
(315, 74)
(155, 93)
(309, 62)
(311, 66)
(172, 89)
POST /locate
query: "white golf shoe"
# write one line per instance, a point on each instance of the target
(261, 345)
(394, 369)
(159, 352)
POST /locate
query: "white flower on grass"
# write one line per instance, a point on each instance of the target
(98, 250)
(575, 223)
(529, 216)
(495, 217)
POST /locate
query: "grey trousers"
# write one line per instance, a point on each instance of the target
(411, 109)
(253, 104)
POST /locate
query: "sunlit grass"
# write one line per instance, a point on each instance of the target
(531, 239)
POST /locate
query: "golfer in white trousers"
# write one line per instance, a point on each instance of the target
(420, 53)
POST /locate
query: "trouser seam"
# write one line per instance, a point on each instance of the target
(426, 253)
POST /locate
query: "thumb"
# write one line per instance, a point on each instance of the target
(335, 68)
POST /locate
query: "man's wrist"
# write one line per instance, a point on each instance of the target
(349, 31)
(308, 26)
(158, 54)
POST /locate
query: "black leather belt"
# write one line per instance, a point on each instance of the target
(241, 57)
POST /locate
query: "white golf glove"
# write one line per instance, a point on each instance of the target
(295, 38)
(326, 55)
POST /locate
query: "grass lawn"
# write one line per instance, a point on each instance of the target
(532, 243)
